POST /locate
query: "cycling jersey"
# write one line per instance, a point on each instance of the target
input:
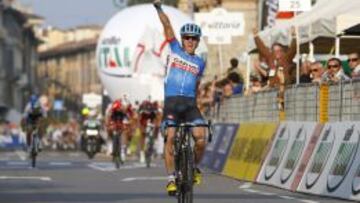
(183, 72)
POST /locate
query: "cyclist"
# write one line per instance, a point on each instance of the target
(117, 118)
(147, 113)
(184, 71)
(33, 114)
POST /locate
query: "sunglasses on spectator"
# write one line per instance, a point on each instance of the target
(193, 38)
(353, 59)
(333, 66)
(314, 70)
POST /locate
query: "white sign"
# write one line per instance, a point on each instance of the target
(294, 5)
(92, 100)
(220, 26)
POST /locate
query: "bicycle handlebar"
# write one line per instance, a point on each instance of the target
(192, 125)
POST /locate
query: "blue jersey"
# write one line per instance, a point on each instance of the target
(183, 72)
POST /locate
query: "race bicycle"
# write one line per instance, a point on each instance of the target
(184, 159)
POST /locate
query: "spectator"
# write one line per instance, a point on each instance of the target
(255, 85)
(305, 72)
(236, 82)
(354, 63)
(334, 73)
(233, 66)
(279, 56)
(262, 70)
(316, 71)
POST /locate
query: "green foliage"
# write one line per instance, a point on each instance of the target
(167, 2)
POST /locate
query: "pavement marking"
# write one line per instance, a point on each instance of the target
(42, 178)
(245, 186)
(287, 197)
(21, 154)
(60, 163)
(308, 201)
(17, 163)
(130, 179)
(110, 167)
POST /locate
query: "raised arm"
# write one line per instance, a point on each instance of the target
(263, 50)
(168, 30)
(292, 49)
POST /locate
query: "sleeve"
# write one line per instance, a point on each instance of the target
(202, 69)
(174, 45)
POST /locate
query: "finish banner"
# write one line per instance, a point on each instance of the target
(249, 150)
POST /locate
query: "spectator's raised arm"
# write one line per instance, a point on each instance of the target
(263, 50)
(290, 54)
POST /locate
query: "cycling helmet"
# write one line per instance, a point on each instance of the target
(116, 106)
(190, 29)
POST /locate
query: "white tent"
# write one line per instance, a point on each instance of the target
(327, 19)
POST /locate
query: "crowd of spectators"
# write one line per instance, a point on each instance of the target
(276, 68)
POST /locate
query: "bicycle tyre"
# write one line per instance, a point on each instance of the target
(116, 150)
(189, 181)
(149, 150)
(34, 150)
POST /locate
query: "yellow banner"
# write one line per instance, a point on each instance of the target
(249, 150)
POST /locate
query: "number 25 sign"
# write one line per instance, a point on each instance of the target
(294, 5)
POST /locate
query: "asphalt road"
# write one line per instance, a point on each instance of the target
(72, 178)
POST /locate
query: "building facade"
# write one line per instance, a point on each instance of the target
(68, 69)
(18, 56)
(237, 48)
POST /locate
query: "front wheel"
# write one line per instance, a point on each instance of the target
(34, 149)
(116, 149)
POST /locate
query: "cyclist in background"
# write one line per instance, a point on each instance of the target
(184, 71)
(147, 113)
(117, 117)
(33, 114)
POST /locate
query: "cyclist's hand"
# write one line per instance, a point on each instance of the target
(157, 4)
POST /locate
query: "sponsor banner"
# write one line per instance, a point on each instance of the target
(223, 147)
(207, 160)
(284, 158)
(333, 167)
(11, 141)
(249, 150)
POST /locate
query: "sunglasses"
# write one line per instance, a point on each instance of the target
(353, 59)
(314, 70)
(333, 66)
(193, 38)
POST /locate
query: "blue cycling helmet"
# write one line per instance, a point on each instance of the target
(190, 29)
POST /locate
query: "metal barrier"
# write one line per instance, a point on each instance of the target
(337, 102)
(261, 106)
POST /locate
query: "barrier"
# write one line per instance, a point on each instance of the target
(287, 153)
(222, 147)
(249, 150)
(207, 160)
(333, 167)
(11, 142)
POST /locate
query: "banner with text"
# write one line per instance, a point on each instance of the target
(249, 150)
